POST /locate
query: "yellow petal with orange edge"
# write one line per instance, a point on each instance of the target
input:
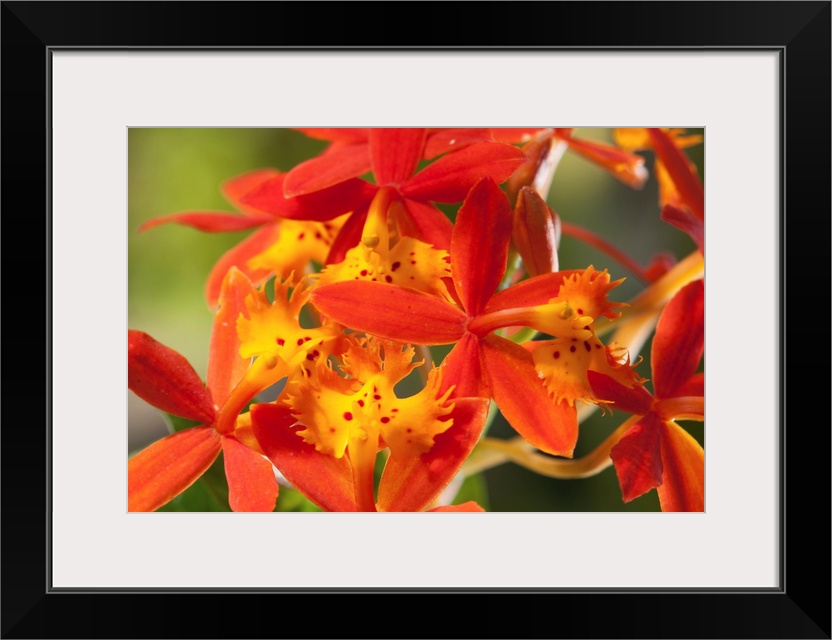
(368, 357)
(324, 405)
(410, 263)
(409, 425)
(298, 243)
(335, 410)
(563, 365)
(586, 292)
(273, 329)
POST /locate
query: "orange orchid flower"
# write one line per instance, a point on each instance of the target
(288, 237)
(656, 452)
(537, 400)
(246, 326)
(325, 435)
(165, 379)
(393, 156)
(625, 166)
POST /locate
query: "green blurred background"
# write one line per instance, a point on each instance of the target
(174, 170)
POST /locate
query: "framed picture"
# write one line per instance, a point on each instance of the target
(81, 79)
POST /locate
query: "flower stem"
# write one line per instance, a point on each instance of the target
(495, 452)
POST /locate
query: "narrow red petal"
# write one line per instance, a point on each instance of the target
(524, 401)
(237, 187)
(693, 387)
(164, 378)
(683, 219)
(325, 480)
(238, 256)
(210, 221)
(251, 482)
(479, 245)
(445, 140)
(331, 168)
(636, 401)
(225, 366)
(679, 168)
(348, 237)
(623, 165)
(425, 222)
(395, 153)
(465, 507)
(322, 205)
(391, 312)
(162, 471)
(529, 293)
(680, 339)
(463, 370)
(412, 483)
(638, 458)
(451, 177)
(683, 485)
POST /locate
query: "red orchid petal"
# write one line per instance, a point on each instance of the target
(348, 237)
(524, 401)
(210, 221)
(251, 482)
(680, 340)
(683, 485)
(164, 378)
(465, 507)
(333, 167)
(623, 165)
(320, 206)
(529, 293)
(390, 311)
(425, 222)
(683, 219)
(395, 154)
(464, 370)
(451, 177)
(684, 177)
(638, 458)
(237, 187)
(693, 387)
(238, 256)
(445, 140)
(513, 135)
(411, 483)
(225, 366)
(479, 245)
(159, 473)
(345, 135)
(636, 400)
(325, 480)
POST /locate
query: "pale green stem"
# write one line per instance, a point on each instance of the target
(495, 452)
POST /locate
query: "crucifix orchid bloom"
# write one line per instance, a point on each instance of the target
(537, 399)
(393, 156)
(287, 238)
(165, 379)
(324, 435)
(656, 452)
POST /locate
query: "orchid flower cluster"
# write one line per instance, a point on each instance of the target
(391, 242)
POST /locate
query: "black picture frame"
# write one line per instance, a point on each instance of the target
(798, 608)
